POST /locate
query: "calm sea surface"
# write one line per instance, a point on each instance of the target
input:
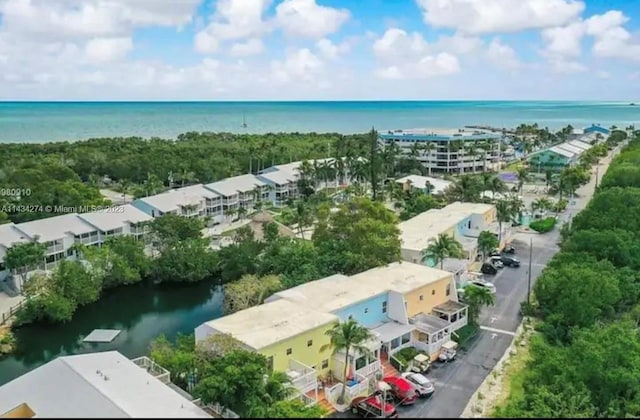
(55, 121)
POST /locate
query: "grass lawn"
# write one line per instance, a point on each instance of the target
(512, 381)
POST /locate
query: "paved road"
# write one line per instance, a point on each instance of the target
(457, 381)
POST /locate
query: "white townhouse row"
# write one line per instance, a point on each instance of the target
(61, 233)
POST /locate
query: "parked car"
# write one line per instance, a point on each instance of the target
(372, 406)
(401, 389)
(489, 269)
(510, 261)
(423, 386)
(509, 249)
(496, 261)
(484, 284)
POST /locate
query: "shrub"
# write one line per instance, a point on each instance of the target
(543, 225)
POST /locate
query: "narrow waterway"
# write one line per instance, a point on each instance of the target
(142, 313)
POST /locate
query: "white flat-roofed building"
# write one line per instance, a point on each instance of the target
(427, 184)
(60, 233)
(447, 151)
(191, 201)
(120, 220)
(94, 385)
(240, 191)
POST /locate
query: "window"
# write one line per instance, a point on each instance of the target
(421, 297)
(384, 307)
(325, 363)
(406, 338)
(309, 343)
(433, 292)
(448, 289)
(289, 351)
(366, 310)
(361, 362)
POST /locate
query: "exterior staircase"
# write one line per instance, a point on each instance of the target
(386, 366)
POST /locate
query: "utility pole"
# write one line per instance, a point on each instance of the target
(529, 279)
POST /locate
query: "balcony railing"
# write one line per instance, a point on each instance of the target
(303, 377)
(160, 373)
(52, 249)
(370, 370)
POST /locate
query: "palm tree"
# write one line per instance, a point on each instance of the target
(302, 217)
(125, 186)
(477, 297)
(487, 242)
(427, 148)
(466, 188)
(241, 212)
(344, 337)
(441, 248)
(523, 176)
(505, 213)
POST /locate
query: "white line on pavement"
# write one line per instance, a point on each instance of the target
(496, 330)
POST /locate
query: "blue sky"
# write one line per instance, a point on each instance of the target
(319, 49)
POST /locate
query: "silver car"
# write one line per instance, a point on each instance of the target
(484, 284)
(423, 386)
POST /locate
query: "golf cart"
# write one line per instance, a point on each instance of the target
(448, 351)
(420, 363)
(509, 249)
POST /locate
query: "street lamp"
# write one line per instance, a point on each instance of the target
(529, 278)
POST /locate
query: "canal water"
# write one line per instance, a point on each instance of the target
(142, 313)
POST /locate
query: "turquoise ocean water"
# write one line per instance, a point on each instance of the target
(54, 121)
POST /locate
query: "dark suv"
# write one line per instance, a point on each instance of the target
(510, 260)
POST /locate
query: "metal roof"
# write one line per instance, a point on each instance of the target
(55, 228)
(170, 201)
(75, 387)
(232, 186)
(115, 218)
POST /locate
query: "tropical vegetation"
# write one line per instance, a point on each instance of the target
(586, 358)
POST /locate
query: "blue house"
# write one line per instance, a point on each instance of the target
(596, 128)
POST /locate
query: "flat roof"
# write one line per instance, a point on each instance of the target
(419, 181)
(427, 134)
(270, 323)
(116, 217)
(75, 386)
(170, 200)
(234, 185)
(416, 233)
(54, 228)
(336, 292)
(390, 330)
(9, 235)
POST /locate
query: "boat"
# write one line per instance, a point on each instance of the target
(632, 104)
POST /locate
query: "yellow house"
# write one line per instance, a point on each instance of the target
(290, 335)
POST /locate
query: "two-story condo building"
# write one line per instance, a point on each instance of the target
(240, 191)
(283, 186)
(462, 221)
(448, 151)
(191, 201)
(293, 338)
(121, 220)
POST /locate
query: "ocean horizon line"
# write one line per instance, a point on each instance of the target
(328, 101)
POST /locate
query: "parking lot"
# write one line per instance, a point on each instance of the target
(457, 381)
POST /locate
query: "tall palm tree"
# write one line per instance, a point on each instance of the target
(345, 337)
(523, 176)
(505, 213)
(428, 147)
(477, 297)
(125, 186)
(441, 248)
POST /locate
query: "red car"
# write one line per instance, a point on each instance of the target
(372, 407)
(402, 390)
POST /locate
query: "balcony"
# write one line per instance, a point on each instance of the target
(52, 249)
(455, 313)
(433, 332)
(303, 378)
(154, 369)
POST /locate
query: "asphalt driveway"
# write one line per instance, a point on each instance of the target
(457, 381)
